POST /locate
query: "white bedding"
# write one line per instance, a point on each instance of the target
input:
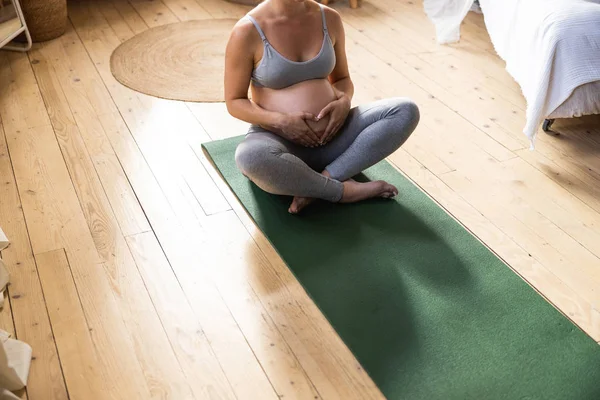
(585, 100)
(551, 47)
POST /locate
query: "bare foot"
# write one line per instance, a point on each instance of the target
(357, 191)
(299, 203)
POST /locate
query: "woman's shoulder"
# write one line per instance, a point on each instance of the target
(245, 32)
(329, 11)
(333, 18)
(330, 14)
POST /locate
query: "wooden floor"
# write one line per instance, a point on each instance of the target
(135, 275)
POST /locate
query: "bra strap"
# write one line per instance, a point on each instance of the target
(260, 31)
(323, 17)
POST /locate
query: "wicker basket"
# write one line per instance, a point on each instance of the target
(46, 19)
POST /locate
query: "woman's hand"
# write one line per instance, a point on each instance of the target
(294, 128)
(338, 111)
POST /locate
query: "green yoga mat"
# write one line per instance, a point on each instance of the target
(428, 310)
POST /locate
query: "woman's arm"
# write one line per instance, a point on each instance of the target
(340, 76)
(239, 63)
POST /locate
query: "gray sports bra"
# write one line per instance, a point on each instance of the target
(277, 72)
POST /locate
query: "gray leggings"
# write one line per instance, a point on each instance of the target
(370, 133)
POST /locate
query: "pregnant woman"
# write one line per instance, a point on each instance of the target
(305, 141)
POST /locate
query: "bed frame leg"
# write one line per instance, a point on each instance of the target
(547, 124)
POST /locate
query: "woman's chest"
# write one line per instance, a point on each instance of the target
(296, 43)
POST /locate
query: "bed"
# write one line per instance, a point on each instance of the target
(551, 48)
(585, 100)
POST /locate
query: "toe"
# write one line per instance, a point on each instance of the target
(293, 208)
(391, 188)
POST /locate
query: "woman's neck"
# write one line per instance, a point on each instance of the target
(288, 8)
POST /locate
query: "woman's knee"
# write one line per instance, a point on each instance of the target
(254, 158)
(404, 116)
(406, 109)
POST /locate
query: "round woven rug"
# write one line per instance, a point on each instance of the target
(181, 61)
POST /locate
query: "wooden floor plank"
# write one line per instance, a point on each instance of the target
(197, 359)
(7, 324)
(528, 229)
(6, 315)
(224, 253)
(8, 192)
(438, 116)
(69, 117)
(186, 10)
(547, 197)
(82, 368)
(55, 220)
(29, 111)
(60, 210)
(151, 345)
(583, 187)
(154, 13)
(568, 212)
(183, 172)
(73, 109)
(30, 316)
(219, 9)
(216, 121)
(575, 152)
(230, 347)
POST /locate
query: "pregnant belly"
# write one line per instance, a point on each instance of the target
(308, 96)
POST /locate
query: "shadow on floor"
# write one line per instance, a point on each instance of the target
(365, 265)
